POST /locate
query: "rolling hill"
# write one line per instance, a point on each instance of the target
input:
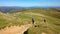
(52, 25)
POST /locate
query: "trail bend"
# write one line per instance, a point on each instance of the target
(15, 29)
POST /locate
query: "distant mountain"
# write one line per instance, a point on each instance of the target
(7, 9)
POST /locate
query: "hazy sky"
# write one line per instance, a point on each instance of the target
(30, 3)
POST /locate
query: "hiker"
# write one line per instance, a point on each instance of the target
(44, 20)
(32, 20)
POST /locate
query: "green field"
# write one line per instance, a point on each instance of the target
(52, 26)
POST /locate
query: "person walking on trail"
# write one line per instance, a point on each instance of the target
(44, 20)
(32, 20)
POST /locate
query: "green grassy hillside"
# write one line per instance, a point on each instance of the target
(52, 26)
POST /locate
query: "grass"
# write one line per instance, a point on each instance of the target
(6, 20)
(52, 25)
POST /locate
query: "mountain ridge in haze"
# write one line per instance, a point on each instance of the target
(6, 9)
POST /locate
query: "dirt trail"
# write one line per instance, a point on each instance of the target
(15, 29)
(43, 33)
(35, 14)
